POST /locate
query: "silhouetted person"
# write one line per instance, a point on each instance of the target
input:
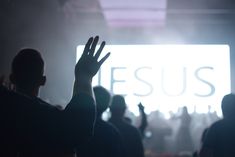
(106, 141)
(131, 137)
(203, 138)
(183, 138)
(144, 122)
(32, 127)
(159, 130)
(220, 138)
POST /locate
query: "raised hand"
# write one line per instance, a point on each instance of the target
(141, 107)
(144, 122)
(88, 65)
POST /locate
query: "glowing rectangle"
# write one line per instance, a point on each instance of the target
(166, 77)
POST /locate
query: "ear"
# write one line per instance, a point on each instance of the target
(43, 81)
(12, 78)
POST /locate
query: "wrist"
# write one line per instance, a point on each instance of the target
(83, 85)
(83, 79)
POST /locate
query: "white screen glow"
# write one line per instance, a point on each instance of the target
(166, 77)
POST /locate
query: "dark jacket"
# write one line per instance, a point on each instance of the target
(131, 138)
(106, 142)
(32, 126)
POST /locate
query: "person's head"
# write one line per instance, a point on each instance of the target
(27, 70)
(228, 105)
(185, 110)
(118, 106)
(102, 97)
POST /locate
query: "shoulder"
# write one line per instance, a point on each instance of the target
(214, 132)
(214, 129)
(218, 125)
(8, 97)
(43, 103)
(131, 130)
(106, 127)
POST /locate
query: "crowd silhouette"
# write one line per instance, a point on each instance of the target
(31, 127)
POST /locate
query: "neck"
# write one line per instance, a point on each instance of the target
(30, 92)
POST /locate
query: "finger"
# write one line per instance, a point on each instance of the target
(104, 58)
(87, 46)
(100, 50)
(93, 46)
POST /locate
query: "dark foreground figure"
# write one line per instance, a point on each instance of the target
(130, 135)
(220, 138)
(32, 127)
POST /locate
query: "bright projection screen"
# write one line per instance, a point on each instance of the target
(166, 77)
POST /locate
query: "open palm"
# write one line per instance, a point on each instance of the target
(88, 65)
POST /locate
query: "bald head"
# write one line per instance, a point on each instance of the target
(27, 69)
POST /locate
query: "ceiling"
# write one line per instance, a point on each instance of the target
(147, 13)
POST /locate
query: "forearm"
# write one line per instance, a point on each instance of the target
(79, 117)
(144, 121)
(83, 85)
(143, 124)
